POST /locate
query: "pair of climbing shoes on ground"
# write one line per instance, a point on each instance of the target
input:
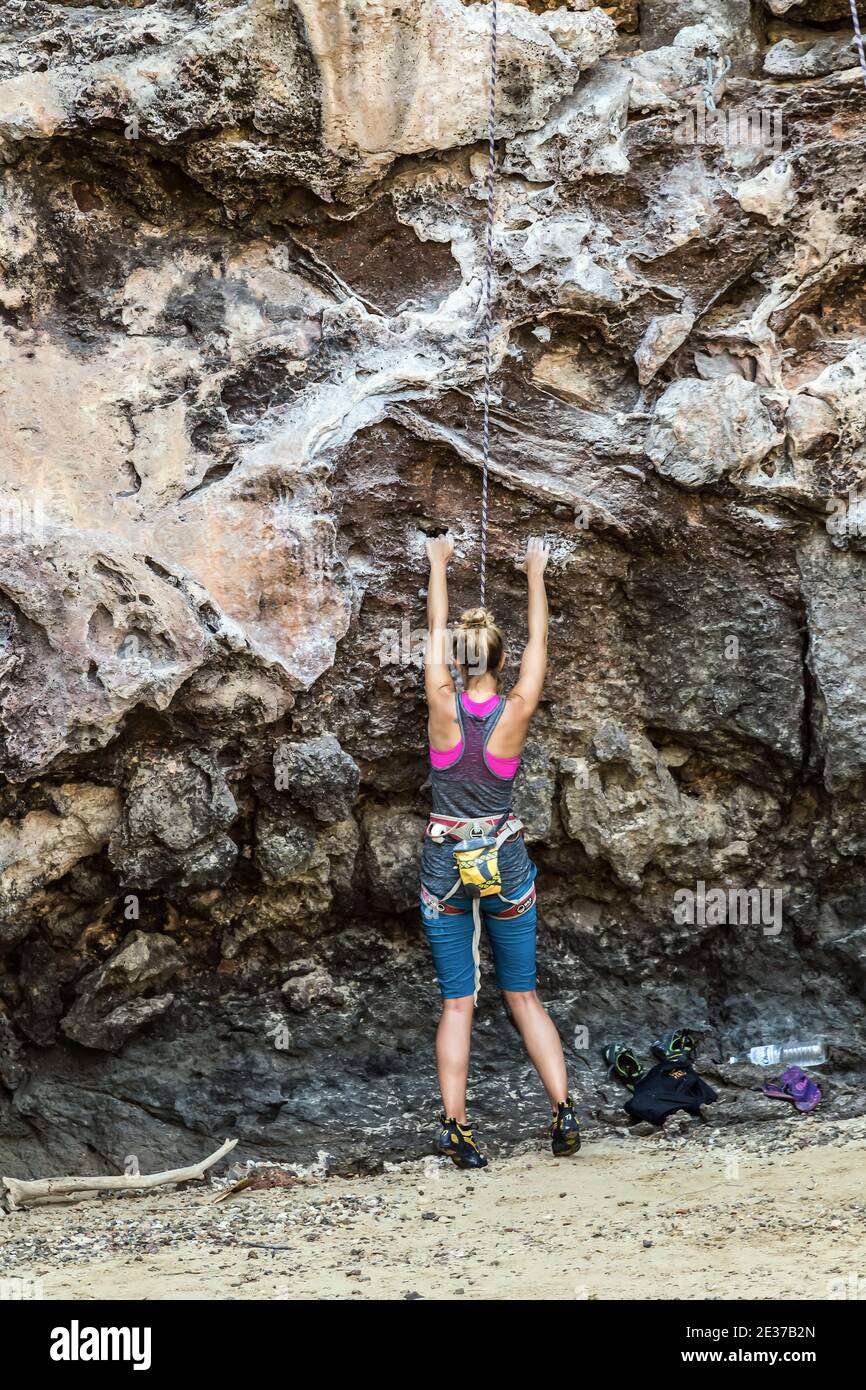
(456, 1140)
(672, 1084)
(624, 1064)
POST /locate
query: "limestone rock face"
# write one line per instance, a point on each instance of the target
(736, 22)
(819, 10)
(43, 845)
(702, 430)
(721, 665)
(242, 262)
(392, 839)
(835, 589)
(624, 806)
(318, 775)
(111, 1003)
(810, 57)
(310, 987)
(89, 633)
(176, 815)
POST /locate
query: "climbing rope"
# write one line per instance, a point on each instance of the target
(488, 291)
(713, 80)
(858, 37)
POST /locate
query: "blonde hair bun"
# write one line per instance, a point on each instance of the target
(477, 618)
(479, 643)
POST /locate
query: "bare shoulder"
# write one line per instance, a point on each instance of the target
(518, 710)
(442, 718)
(441, 695)
(440, 705)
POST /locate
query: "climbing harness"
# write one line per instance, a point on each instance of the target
(476, 849)
(488, 291)
(478, 840)
(858, 38)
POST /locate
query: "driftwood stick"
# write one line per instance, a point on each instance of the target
(71, 1199)
(23, 1192)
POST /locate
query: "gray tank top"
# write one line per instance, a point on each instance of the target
(468, 788)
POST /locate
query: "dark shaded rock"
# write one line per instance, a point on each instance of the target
(834, 584)
(109, 1031)
(318, 775)
(44, 973)
(223, 1062)
(721, 664)
(283, 848)
(13, 1068)
(11, 933)
(177, 809)
(110, 1006)
(378, 244)
(392, 854)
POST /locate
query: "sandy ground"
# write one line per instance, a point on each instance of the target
(776, 1212)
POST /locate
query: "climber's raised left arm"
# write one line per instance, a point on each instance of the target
(437, 673)
(526, 693)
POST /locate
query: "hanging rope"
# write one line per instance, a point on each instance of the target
(713, 80)
(858, 37)
(488, 292)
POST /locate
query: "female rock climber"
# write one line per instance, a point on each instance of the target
(476, 740)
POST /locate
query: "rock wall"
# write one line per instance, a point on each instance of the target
(241, 247)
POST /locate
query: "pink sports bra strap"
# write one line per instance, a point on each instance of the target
(440, 758)
(473, 737)
(479, 707)
(503, 767)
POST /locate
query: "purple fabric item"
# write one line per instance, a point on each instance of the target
(794, 1085)
(505, 768)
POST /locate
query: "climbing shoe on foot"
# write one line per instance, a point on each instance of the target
(456, 1141)
(623, 1063)
(677, 1043)
(565, 1129)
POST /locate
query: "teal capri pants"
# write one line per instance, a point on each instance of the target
(511, 925)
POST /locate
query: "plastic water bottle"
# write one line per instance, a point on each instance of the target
(789, 1054)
